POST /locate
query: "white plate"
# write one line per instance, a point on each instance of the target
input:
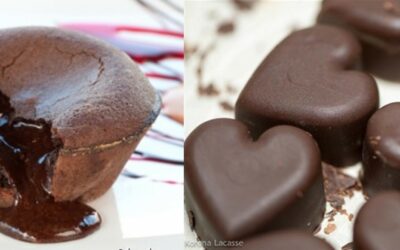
(108, 237)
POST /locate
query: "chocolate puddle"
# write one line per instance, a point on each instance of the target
(27, 211)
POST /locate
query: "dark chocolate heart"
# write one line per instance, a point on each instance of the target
(308, 81)
(377, 226)
(381, 151)
(376, 24)
(236, 187)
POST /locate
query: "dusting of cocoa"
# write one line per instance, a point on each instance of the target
(227, 106)
(207, 90)
(226, 27)
(331, 215)
(337, 186)
(244, 5)
(203, 89)
(330, 228)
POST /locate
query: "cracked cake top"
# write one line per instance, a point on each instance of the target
(93, 95)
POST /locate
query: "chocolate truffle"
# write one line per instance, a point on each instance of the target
(236, 187)
(285, 240)
(310, 80)
(377, 225)
(375, 23)
(73, 109)
(381, 154)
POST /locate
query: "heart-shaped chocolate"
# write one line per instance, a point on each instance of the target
(284, 240)
(381, 151)
(376, 25)
(377, 226)
(236, 187)
(308, 81)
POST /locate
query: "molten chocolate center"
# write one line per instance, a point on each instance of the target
(27, 211)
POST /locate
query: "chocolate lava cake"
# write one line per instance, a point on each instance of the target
(72, 111)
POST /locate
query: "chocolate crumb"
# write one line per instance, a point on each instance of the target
(337, 186)
(330, 228)
(343, 211)
(336, 201)
(350, 217)
(207, 90)
(226, 27)
(331, 215)
(348, 246)
(244, 4)
(227, 106)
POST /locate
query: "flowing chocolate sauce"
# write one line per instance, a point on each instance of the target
(27, 211)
